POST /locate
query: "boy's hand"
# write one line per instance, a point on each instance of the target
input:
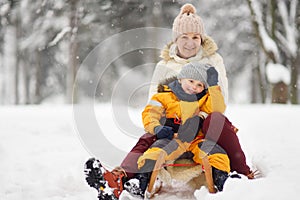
(164, 132)
(212, 76)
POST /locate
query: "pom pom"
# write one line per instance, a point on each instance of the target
(188, 8)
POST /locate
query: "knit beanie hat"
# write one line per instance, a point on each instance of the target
(187, 21)
(196, 71)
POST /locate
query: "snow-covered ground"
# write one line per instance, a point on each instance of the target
(42, 155)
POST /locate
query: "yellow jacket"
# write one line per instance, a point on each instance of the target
(166, 104)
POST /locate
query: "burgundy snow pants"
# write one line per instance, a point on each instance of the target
(218, 128)
(129, 164)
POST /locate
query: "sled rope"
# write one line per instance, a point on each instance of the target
(180, 165)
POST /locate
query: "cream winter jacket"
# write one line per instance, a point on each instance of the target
(171, 65)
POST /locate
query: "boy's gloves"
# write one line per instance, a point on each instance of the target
(164, 132)
(190, 129)
(212, 76)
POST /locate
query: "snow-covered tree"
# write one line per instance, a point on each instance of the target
(276, 25)
(229, 24)
(42, 44)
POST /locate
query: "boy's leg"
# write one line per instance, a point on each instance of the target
(218, 128)
(190, 129)
(129, 164)
(138, 185)
(212, 154)
(187, 133)
(97, 177)
(150, 163)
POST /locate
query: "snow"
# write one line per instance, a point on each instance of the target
(4, 9)
(42, 154)
(277, 72)
(59, 36)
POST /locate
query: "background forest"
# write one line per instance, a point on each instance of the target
(43, 43)
(57, 52)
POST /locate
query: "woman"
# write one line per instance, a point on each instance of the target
(190, 44)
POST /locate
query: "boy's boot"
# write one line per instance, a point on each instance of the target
(95, 178)
(219, 178)
(138, 185)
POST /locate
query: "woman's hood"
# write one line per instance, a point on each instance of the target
(209, 47)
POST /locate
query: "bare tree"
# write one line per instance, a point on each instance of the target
(10, 51)
(73, 52)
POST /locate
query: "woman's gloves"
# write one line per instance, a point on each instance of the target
(212, 76)
(164, 132)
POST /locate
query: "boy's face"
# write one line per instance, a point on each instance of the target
(191, 86)
(188, 45)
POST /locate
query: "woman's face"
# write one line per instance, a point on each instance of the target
(188, 44)
(191, 86)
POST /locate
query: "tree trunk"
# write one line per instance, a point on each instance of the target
(253, 86)
(72, 68)
(280, 93)
(258, 83)
(73, 54)
(38, 76)
(2, 82)
(26, 78)
(10, 63)
(17, 76)
(294, 79)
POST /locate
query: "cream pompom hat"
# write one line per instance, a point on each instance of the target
(187, 21)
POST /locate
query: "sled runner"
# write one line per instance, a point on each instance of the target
(151, 191)
(208, 175)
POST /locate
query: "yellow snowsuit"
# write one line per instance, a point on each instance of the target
(166, 104)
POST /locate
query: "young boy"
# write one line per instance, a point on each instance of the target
(176, 114)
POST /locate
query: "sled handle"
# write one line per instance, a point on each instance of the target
(159, 162)
(208, 175)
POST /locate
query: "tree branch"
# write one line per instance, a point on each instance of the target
(269, 46)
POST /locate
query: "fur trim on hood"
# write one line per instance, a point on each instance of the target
(208, 45)
(163, 86)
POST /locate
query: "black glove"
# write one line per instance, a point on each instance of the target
(212, 76)
(164, 132)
